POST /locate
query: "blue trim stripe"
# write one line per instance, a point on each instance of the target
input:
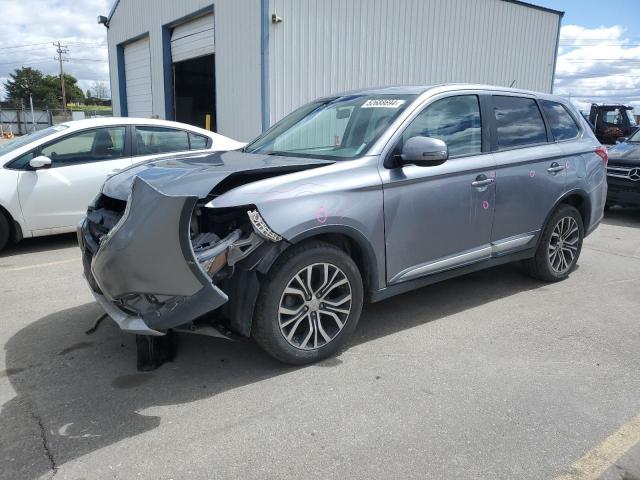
(122, 82)
(167, 69)
(264, 64)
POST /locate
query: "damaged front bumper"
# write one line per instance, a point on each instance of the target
(144, 271)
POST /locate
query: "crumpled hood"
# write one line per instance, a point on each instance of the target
(625, 154)
(196, 175)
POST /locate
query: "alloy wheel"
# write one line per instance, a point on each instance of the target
(563, 244)
(315, 306)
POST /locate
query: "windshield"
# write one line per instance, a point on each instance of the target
(635, 137)
(26, 139)
(337, 128)
(632, 119)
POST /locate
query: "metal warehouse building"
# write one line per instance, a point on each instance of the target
(247, 63)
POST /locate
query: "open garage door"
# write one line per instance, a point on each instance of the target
(193, 39)
(137, 71)
(192, 54)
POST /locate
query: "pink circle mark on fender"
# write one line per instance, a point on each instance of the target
(532, 173)
(322, 214)
(485, 204)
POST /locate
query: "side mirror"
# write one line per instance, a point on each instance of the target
(424, 151)
(621, 139)
(40, 162)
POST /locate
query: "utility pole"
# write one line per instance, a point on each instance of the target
(61, 50)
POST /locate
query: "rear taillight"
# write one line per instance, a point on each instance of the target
(603, 154)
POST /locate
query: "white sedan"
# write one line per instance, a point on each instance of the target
(48, 178)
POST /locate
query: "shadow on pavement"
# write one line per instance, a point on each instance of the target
(40, 244)
(622, 217)
(77, 393)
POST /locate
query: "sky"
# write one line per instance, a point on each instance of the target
(29, 28)
(598, 58)
(599, 51)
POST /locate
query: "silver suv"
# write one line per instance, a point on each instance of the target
(351, 198)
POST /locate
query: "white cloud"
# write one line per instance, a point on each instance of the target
(30, 26)
(598, 65)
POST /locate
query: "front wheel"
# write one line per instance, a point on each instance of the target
(309, 304)
(5, 231)
(559, 246)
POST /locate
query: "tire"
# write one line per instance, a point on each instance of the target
(297, 329)
(554, 261)
(5, 231)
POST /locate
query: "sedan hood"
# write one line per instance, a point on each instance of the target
(625, 154)
(197, 175)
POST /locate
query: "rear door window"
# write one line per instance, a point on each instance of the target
(562, 124)
(518, 122)
(153, 140)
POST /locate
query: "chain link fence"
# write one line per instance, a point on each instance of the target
(20, 121)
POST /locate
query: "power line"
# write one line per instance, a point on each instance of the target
(11, 47)
(29, 62)
(82, 44)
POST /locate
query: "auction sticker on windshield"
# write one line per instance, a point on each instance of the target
(383, 103)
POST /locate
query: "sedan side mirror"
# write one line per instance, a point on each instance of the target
(621, 139)
(40, 162)
(424, 151)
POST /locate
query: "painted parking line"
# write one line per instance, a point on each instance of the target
(598, 460)
(39, 265)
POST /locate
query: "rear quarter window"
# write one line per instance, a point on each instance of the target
(562, 124)
(197, 142)
(518, 122)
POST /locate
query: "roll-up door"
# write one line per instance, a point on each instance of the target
(137, 68)
(193, 39)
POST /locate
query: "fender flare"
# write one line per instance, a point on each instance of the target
(587, 214)
(369, 257)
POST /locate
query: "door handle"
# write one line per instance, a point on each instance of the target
(555, 168)
(482, 181)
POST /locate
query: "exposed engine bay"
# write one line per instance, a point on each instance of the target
(204, 250)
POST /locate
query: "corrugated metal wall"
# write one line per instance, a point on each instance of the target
(237, 37)
(327, 46)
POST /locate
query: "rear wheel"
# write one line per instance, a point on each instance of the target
(309, 304)
(5, 231)
(559, 246)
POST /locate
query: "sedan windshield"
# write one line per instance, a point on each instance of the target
(26, 139)
(336, 128)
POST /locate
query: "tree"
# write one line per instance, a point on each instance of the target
(45, 89)
(88, 93)
(100, 90)
(24, 82)
(73, 92)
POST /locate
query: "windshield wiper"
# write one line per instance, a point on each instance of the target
(280, 154)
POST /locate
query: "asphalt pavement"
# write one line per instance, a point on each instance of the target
(493, 375)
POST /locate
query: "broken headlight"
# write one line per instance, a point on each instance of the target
(211, 252)
(261, 227)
